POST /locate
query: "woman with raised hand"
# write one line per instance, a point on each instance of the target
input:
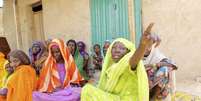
(123, 76)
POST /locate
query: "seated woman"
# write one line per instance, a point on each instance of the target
(159, 69)
(79, 60)
(38, 55)
(57, 76)
(97, 57)
(123, 76)
(85, 55)
(96, 65)
(22, 82)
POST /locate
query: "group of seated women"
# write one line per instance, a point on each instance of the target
(56, 71)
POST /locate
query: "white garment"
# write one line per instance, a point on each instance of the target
(154, 57)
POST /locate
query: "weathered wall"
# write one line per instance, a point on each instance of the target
(1, 23)
(17, 23)
(9, 25)
(67, 19)
(64, 19)
(178, 24)
(25, 23)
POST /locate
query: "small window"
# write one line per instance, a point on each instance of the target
(37, 7)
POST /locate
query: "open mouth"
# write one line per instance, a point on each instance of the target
(116, 56)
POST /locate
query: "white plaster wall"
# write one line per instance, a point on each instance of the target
(178, 23)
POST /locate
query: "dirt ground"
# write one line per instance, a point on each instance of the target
(192, 87)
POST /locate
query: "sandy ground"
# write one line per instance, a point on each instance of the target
(192, 87)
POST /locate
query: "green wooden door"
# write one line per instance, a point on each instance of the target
(138, 21)
(109, 20)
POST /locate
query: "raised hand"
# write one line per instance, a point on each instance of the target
(149, 39)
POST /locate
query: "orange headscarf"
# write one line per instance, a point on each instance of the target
(49, 77)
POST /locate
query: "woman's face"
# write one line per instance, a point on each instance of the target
(56, 53)
(96, 49)
(71, 46)
(118, 51)
(14, 62)
(80, 46)
(36, 49)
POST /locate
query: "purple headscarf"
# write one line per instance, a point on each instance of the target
(82, 47)
(42, 50)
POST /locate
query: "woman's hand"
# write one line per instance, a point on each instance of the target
(148, 39)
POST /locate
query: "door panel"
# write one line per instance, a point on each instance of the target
(109, 20)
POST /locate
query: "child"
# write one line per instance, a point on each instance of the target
(97, 59)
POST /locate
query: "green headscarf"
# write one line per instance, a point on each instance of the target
(79, 60)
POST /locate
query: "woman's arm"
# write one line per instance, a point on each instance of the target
(137, 56)
(147, 40)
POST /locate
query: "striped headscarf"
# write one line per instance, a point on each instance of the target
(49, 78)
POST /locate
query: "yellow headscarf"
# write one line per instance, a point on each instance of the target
(121, 66)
